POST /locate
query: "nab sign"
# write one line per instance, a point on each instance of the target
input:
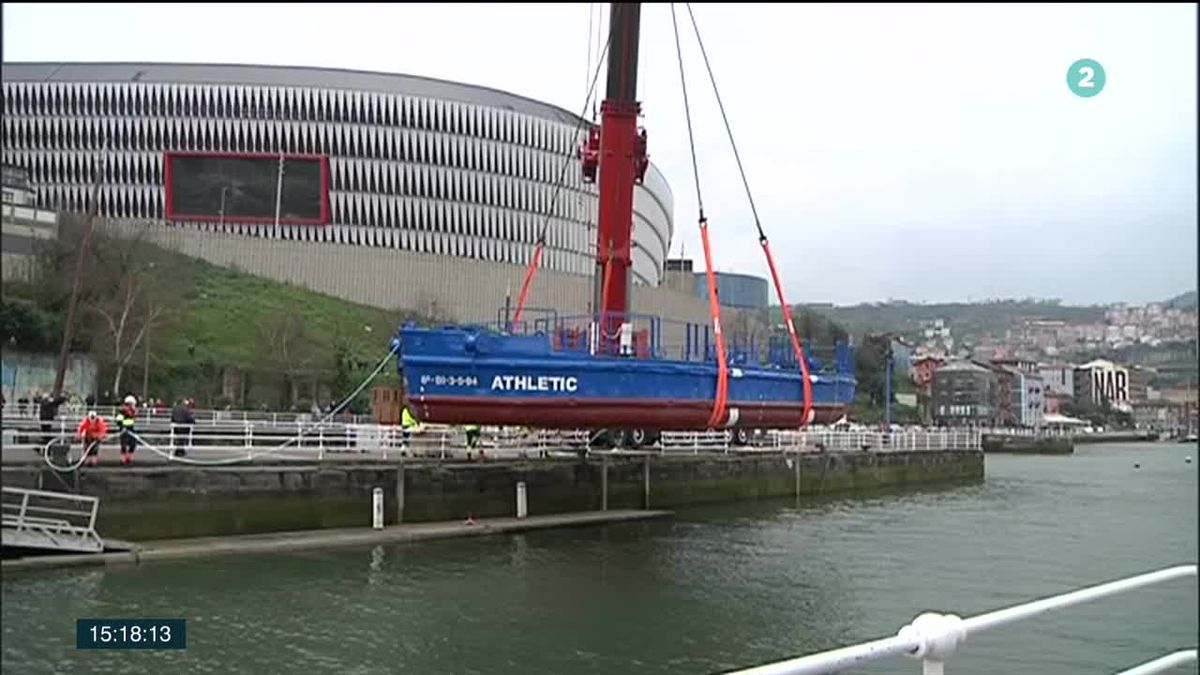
(1109, 382)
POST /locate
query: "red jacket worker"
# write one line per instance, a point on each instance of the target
(92, 429)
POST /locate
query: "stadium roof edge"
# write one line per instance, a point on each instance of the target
(279, 75)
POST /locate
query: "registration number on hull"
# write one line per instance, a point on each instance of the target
(450, 380)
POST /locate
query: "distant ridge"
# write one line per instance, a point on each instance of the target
(1184, 301)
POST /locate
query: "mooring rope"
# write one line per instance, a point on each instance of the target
(252, 453)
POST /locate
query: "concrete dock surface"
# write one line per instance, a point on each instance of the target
(277, 542)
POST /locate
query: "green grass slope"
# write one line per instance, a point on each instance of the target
(224, 314)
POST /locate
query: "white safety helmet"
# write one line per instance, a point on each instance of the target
(131, 400)
(91, 414)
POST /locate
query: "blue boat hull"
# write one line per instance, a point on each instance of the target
(460, 375)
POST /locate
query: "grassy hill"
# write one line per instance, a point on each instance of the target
(225, 307)
(231, 319)
(966, 320)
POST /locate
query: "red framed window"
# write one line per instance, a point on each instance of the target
(247, 187)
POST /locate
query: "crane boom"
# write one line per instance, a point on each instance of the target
(617, 151)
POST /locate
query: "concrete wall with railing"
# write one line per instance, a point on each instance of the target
(140, 503)
(218, 440)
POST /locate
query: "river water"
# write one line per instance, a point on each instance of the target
(714, 589)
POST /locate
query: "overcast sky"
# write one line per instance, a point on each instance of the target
(916, 152)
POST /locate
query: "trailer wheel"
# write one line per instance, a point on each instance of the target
(638, 438)
(741, 436)
(620, 438)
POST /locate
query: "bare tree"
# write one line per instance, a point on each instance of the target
(50, 279)
(126, 300)
(125, 317)
(428, 309)
(286, 347)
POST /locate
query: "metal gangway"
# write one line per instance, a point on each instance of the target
(933, 637)
(50, 521)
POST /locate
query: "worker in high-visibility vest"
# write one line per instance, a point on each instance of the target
(472, 432)
(408, 423)
(126, 417)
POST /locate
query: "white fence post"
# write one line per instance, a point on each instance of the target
(522, 505)
(377, 508)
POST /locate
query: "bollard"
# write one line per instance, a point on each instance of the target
(522, 506)
(604, 483)
(377, 508)
(646, 481)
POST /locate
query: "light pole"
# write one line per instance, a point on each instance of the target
(278, 193)
(888, 385)
(146, 350)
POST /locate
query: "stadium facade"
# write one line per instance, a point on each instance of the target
(393, 190)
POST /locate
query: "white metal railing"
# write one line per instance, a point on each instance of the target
(1055, 432)
(1163, 663)
(934, 637)
(50, 520)
(303, 441)
(695, 442)
(899, 441)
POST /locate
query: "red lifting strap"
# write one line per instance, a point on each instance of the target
(714, 308)
(529, 271)
(787, 317)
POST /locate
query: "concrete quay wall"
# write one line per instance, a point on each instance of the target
(1029, 445)
(150, 503)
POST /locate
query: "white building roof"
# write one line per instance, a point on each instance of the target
(1056, 418)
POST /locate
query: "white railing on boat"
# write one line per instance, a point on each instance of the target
(934, 637)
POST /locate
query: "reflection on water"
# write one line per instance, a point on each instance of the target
(716, 588)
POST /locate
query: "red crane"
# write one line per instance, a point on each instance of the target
(633, 398)
(616, 149)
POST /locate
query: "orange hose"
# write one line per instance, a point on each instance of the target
(529, 271)
(714, 308)
(787, 316)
